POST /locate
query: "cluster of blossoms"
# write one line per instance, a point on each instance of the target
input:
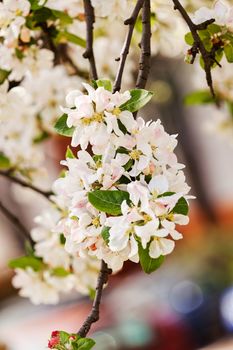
(62, 340)
(129, 192)
(19, 52)
(17, 147)
(51, 270)
(221, 12)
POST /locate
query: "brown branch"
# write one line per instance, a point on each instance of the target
(94, 315)
(198, 46)
(90, 20)
(144, 64)
(17, 223)
(125, 50)
(22, 183)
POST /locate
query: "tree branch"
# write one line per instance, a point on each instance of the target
(90, 20)
(198, 46)
(20, 182)
(125, 50)
(17, 223)
(144, 64)
(94, 315)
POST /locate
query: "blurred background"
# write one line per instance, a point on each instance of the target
(188, 303)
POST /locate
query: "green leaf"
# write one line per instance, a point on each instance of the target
(129, 164)
(3, 75)
(108, 201)
(64, 36)
(105, 83)
(44, 135)
(214, 28)
(42, 15)
(92, 293)
(62, 239)
(19, 54)
(139, 98)
(198, 97)
(148, 264)
(60, 272)
(189, 39)
(121, 126)
(26, 261)
(64, 337)
(62, 128)
(181, 207)
(105, 234)
(228, 50)
(63, 17)
(4, 162)
(85, 343)
(69, 153)
(35, 4)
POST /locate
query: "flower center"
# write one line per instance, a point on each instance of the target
(116, 111)
(96, 221)
(135, 154)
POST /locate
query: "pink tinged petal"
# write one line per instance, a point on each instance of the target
(181, 219)
(176, 235)
(159, 184)
(168, 225)
(128, 120)
(167, 245)
(162, 232)
(122, 158)
(155, 249)
(162, 246)
(133, 247)
(146, 231)
(220, 11)
(143, 162)
(70, 98)
(134, 216)
(90, 90)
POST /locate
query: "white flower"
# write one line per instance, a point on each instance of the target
(41, 287)
(161, 246)
(222, 14)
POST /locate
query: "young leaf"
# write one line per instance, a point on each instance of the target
(69, 153)
(198, 97)
(104, 83)
(228, 50)
(3, 75)
(4, 162)
(108, 201)
(26, 261)
(105, 234)
(62, 128)
(181, 207)
(189, 39)
(36, 4)
(85, 343)
(139, 98)
(148, 264)
(63, 17)
(65, 36)
(60, 272)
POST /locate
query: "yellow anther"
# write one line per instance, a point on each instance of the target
(135, 154)
(96, 221)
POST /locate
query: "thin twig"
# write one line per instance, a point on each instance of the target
(20, 182)
(144, 64)
(16, 222)
(207, 56)
(94, 315)
(90, 20)
(125, 50)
